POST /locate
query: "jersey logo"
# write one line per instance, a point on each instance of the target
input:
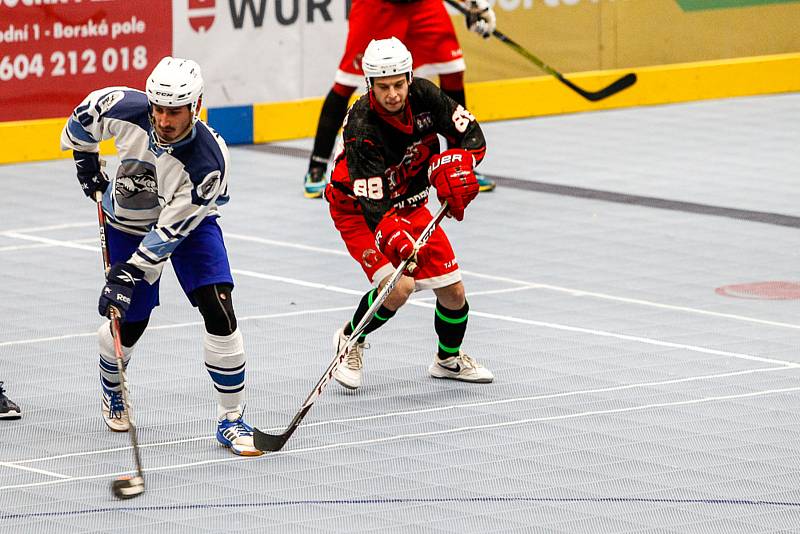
(136, 187)
(130, 186)
(423, 121)
(370, 258)
(415, 158)
(204, 192)
(454, 367)
(109, 101)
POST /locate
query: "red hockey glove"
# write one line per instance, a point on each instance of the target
(451, 174)
(393, 237)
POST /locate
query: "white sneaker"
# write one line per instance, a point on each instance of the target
(114, 413)
(348, 373)
(461, 367)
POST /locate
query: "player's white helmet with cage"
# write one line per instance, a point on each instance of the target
(386, 57)
(176, 82)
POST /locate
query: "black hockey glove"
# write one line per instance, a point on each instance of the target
(90, 174)
(118, 291)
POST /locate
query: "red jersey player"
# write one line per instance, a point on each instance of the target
(428, 30)
(378, 192)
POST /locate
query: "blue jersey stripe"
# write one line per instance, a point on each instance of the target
(76, 131)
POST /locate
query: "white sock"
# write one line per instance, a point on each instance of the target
(225, 363)
(109, 374)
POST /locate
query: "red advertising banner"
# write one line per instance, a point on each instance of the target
(54, 53)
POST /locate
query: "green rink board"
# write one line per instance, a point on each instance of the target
(703, 5)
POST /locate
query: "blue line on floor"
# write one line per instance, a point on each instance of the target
(274, 504)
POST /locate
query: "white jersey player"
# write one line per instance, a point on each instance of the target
(162, 204)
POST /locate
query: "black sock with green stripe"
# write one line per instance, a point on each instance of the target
(378, 320)
(450, 325)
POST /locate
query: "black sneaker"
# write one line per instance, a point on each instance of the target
(8, 409)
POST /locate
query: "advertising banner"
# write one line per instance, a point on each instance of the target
(53, 53)
(262, 50)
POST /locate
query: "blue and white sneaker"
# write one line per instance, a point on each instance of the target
(114, 413)
(485, 184)
(314, 182)
(460, 367)
(235, 434)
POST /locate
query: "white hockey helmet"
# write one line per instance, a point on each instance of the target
(176, 82)
(386, 57)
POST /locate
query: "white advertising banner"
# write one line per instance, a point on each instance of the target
(261, 50)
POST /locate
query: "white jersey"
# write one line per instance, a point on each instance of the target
(160, 194)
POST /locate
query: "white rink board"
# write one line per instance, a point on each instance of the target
(252, 54)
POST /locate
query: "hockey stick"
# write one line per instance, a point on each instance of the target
(123, 487)
(275, 442)
(593, 96)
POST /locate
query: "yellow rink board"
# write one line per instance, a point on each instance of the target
(495, 100)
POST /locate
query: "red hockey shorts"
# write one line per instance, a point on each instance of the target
(423, 26)
(440, 268)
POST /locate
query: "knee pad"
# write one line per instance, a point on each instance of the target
(216, 306)
(129, 333)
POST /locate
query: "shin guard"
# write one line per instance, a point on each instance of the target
(109, 374)
(225, 362)
(450, 326)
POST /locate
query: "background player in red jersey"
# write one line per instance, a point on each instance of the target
(427, 29)
(378, 192)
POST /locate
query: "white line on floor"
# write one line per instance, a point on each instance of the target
(18, 234)
(626, 337)
(418, 435)
(284, 244)
(181, 325)
(48, 228)
(53, 242)
(33, 470)
(476, 313)
(582, 293)
(41, 245)
(296, 282)
(494, 402)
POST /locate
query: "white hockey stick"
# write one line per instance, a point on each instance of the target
(274, 442)
(123, 487)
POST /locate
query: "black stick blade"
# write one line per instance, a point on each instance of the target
(269, 442)
(617, 86)
(127, 487)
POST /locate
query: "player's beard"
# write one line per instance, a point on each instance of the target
(169, 136)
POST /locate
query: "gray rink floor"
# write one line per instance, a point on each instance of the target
(630, 396)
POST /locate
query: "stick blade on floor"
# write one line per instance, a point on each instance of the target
(270, 442)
